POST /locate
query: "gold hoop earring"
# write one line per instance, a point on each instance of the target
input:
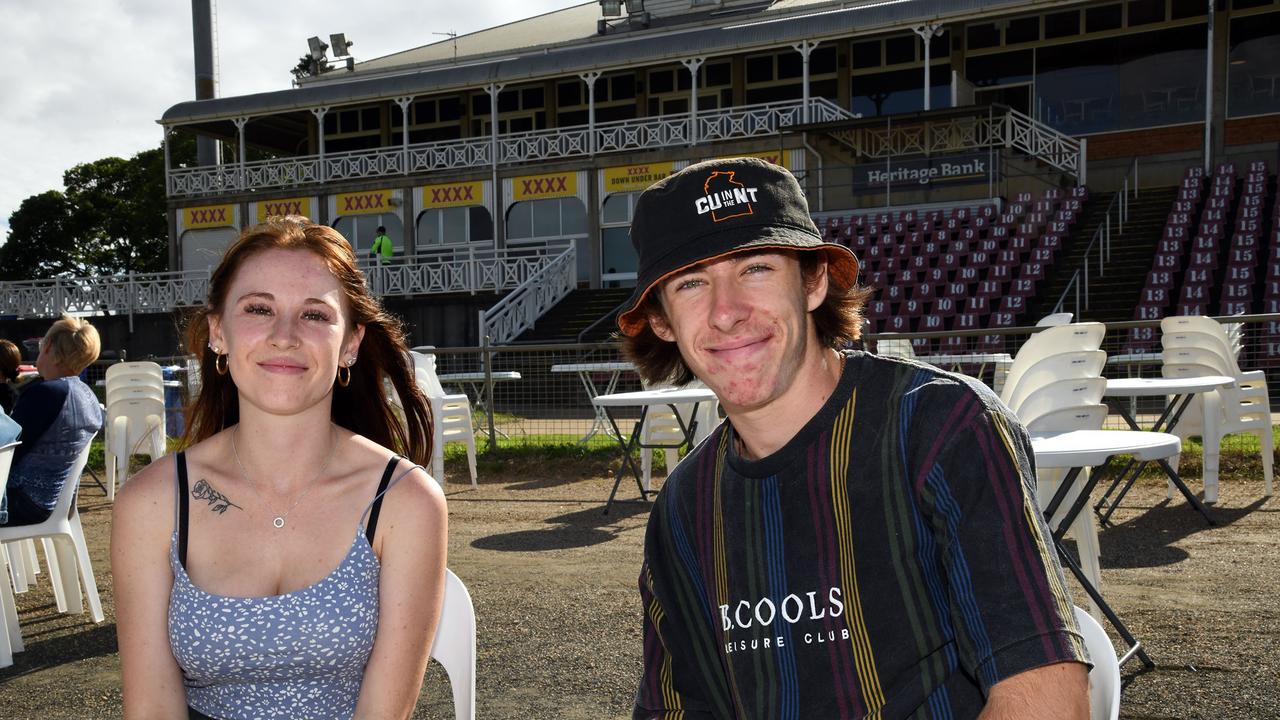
(344, 378)
(221, 364)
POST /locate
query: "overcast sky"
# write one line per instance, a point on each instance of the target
(87, 79)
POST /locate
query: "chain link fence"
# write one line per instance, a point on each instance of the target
(541, 394)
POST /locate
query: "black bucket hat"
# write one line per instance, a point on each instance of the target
(718, 208)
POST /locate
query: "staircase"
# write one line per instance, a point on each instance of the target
(1113, 295)
(578, 310)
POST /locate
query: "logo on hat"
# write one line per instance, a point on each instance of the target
(724, 197)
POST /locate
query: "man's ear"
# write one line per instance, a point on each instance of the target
(658, 323)
(816, 285)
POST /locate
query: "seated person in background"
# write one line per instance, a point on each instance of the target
(10, 359)
(59, 416)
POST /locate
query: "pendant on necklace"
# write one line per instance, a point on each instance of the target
(278, 522)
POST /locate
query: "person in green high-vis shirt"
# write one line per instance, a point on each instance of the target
(382, 250)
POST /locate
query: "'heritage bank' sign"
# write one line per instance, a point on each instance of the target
(919, 174)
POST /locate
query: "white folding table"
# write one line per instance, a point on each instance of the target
(644, 399)
(1180, 392)
(1079, 449)
(586, 374)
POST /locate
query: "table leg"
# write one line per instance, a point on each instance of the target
(1133, 645)
(627, 461)
(1167, 421)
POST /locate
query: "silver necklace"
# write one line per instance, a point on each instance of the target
(278, 520)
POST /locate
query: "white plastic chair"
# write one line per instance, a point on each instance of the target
(1054, 319)
(1066, 418)
(70, 552)
(126, 392)
(141, 367)
(10, 638)
(661, 426)
(134, 426)
(450, 415)
(1057, 394)
(1194, 345)
(1066, 365)
(1049, 342)
(454, 646)
(1104, 678)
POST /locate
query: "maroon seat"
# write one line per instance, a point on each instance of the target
(932, 323)
(1032, 270)
(966, 321)
(990, 289)
(910, 308)
(966, 274)
(937, 275)
(1148, 311)
(894, 293)
(1160, 278)
(978, 305)
(943, 307)
(924, 291)
(954, 344)
(1157, 296)
(877, 309)
(1141, 340)
(897, 324)
(1012, 305)
(1023, 287)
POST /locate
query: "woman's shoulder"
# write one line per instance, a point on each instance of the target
(149, 494)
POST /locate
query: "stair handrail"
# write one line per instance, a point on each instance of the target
(1079, 282)
(521, 308)
(612, 313)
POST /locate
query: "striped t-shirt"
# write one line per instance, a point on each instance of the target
(889, 562)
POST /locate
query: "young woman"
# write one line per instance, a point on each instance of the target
(288, 563)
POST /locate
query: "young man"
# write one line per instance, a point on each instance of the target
(860, 538)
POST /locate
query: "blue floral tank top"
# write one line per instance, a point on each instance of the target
(297, 655)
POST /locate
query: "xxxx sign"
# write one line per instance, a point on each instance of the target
(368, 202)
(634, 178)
(539, 187)
(208, 216)
(453, 195)
(287, 206)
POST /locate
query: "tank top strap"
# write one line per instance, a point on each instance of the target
(180, 508)
(374, 508)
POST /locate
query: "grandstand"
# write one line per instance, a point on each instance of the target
(982, 158)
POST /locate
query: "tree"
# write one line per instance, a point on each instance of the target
(43, 234)
(111, 220)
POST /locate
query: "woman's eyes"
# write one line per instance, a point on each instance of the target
(256, 309)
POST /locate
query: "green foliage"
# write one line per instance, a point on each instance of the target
(111, 220)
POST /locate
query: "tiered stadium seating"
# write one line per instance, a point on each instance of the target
(963, 268)
(1209, 257)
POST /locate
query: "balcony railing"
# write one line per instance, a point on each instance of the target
(446, 270)
(557, 143)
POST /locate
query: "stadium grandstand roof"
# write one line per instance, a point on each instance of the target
(568, 41)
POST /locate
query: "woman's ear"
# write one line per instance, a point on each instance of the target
(216, 339)
(351, 347)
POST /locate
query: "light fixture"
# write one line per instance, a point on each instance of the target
(611, 8)
(340, 44)
(318, 48)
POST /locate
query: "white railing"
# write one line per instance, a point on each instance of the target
(977, 131)
(1045, 144)
(151, 292)
(576, 141)
(446, 270)
(522, 307)
(1077, 288)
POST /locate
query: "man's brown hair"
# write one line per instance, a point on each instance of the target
(838, 321)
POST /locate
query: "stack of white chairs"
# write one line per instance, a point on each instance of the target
(450, 415)
(67, 555)
(661, 426)
(135, 416)
(1195, 346)
(1055, 385)
(889, 346)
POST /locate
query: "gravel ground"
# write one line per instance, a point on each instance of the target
(553, 581)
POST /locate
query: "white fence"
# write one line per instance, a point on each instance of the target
(556, 143)
(464, 269)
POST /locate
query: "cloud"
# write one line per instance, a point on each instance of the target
(87, 79)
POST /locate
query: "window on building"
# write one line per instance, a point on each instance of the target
(453, 225)
(1253, 75)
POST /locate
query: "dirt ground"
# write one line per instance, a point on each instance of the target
(553, 581)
